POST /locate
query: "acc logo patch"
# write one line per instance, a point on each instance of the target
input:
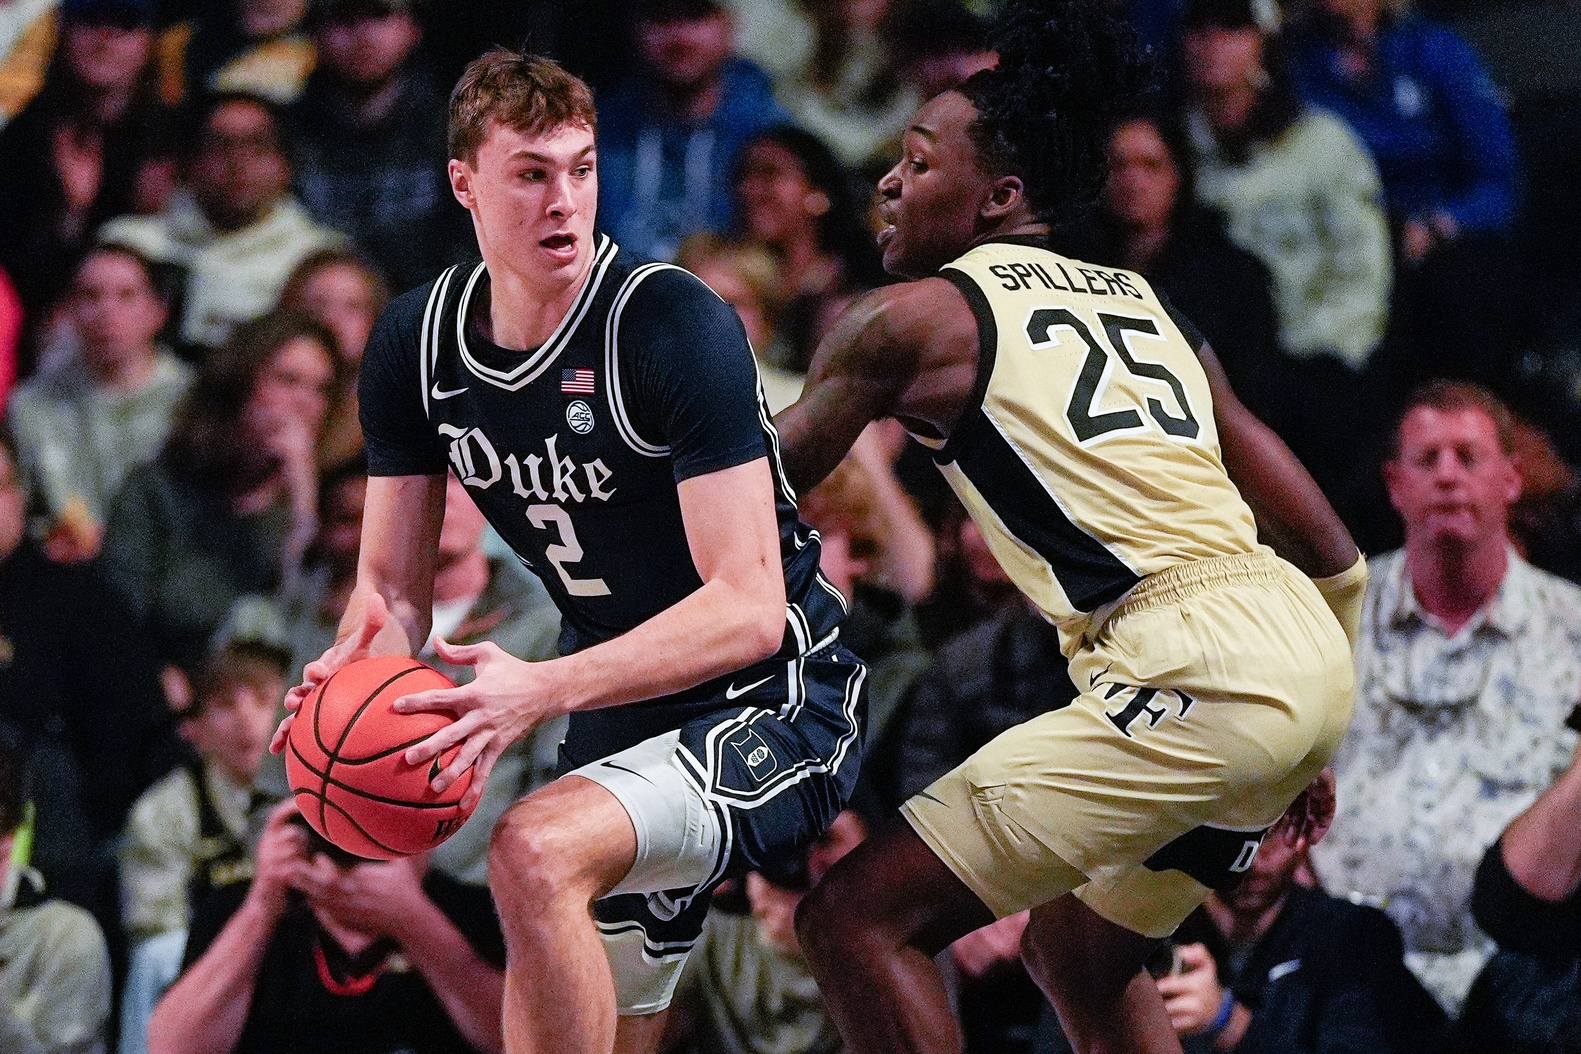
(579, 416)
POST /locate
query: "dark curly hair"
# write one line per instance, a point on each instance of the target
(1066, 69)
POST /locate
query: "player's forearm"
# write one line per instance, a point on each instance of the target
(809, 452)
(720, 628)
(471, 991)
(205, 1010)
(1542, 847)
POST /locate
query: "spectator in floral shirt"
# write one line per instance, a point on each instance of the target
(1468, 662)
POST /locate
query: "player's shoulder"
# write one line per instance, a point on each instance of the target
(655, 303)
(664, 291)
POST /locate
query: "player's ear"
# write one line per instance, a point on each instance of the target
(461, 176)
(1006, 194)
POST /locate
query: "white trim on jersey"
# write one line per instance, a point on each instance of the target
(617, 401)
(428, 336)
(533, 365)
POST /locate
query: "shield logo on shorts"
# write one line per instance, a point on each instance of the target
(754, 753)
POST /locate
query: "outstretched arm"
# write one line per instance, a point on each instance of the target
(861, 372)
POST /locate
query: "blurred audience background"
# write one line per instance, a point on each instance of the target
(1365, 205)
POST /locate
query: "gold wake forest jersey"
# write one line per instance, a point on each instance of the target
(1088, 455)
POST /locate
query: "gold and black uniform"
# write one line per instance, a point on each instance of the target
(1215, 682)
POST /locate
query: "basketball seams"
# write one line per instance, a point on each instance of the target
(330, 781)
(338, 796)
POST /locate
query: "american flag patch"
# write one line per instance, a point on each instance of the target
(576, 382)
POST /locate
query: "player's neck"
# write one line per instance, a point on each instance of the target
(1018, 225)
(520, 312)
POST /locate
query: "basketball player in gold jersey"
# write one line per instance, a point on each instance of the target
(1093, 438)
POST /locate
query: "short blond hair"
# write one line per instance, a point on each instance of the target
(528, 93)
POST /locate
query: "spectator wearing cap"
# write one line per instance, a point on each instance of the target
(324, 954)
(234, 233)
(369, 132)
(671, 134)
(82, 426)
(74, 155)
(54, 966)
(1468, 661)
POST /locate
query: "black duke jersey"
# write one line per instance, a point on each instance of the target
(573, 450)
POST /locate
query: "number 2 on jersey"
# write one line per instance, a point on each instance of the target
(567, 551)
(1086, 424)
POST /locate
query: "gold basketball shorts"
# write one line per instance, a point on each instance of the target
(1211, 696)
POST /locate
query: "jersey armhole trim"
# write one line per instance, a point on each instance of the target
(1187, 328)
(987, 349)
(617, 402)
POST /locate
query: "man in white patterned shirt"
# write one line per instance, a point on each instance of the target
(1468, 662)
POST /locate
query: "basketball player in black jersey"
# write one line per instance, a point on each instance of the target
(604, 414)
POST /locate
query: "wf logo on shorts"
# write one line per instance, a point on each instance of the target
(754, 753)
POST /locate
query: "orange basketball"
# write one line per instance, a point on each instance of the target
(346, 761)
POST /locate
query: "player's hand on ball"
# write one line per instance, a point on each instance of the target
(1193, 996)
(504, 702)
(356, 645)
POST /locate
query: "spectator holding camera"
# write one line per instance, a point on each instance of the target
(1271, 965)
(324, 953)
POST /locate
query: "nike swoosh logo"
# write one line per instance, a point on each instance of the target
(437, 394)
(732, 692)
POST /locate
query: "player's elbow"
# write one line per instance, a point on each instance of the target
(765, 629)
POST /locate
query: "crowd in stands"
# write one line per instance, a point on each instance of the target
(205, 205)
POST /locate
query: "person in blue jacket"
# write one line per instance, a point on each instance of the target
(1420, 99)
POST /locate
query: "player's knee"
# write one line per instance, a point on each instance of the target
(531, 856)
